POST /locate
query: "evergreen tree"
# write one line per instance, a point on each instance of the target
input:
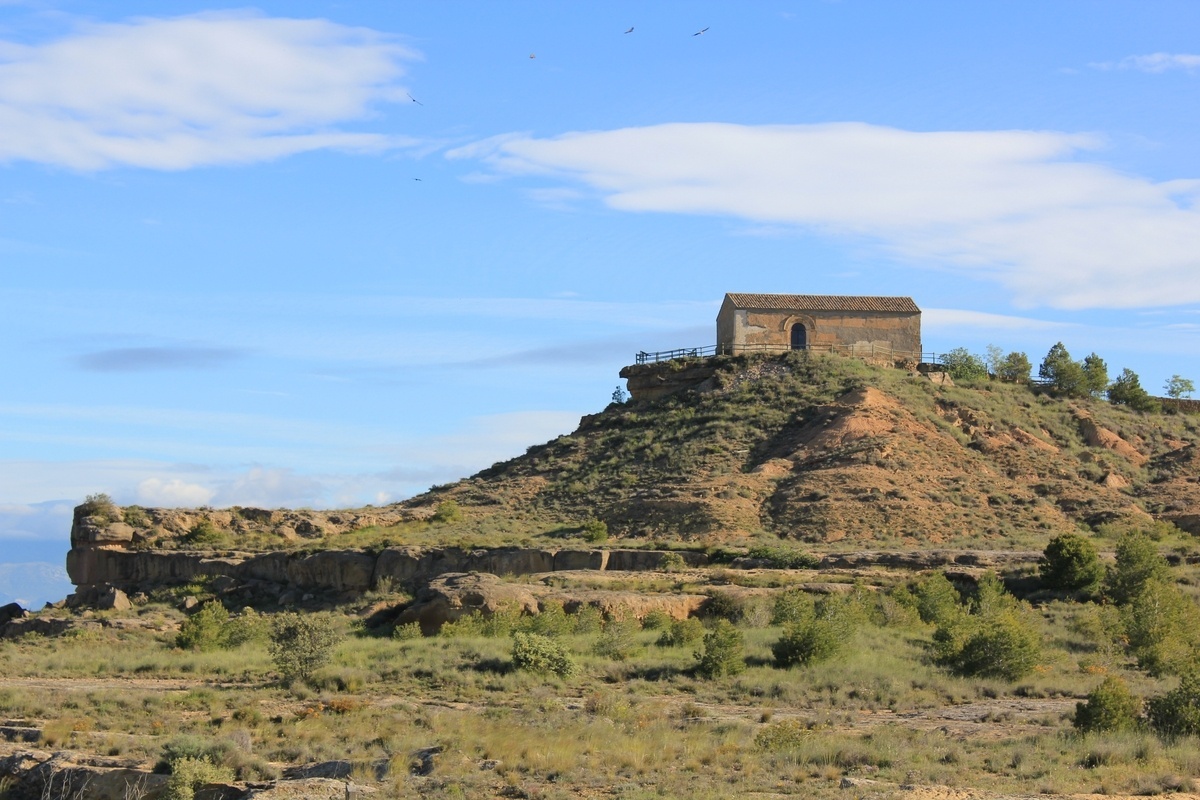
(1127, 390)
(1064, 374)
(1095, 375)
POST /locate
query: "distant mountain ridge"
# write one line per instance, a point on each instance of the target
(33, 584)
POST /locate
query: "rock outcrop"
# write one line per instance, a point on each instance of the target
(98, 570)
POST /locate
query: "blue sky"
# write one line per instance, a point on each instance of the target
(322, 254)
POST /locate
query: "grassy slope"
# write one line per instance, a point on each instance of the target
(794, 447)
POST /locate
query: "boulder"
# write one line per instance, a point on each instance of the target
(631, 605)
(10, 612)
(456, 595)
(113, 598)
(102, 596)
(310, 789)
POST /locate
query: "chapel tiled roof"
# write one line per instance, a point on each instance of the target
(823, 302)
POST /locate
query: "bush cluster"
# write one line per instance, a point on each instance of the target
(681, 633)
(723, 652)
(212, 628)
(813, 632)
(1070, 563)
(539, 653)
(301, 644)
(994, 638)
(1109, 707)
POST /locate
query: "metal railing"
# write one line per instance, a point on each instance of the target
(860, 351)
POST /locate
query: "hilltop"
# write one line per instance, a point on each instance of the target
(818, 450)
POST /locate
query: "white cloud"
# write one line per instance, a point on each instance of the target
(1014, 206)
(1154, 62)
(212, 88)
(938, 318)
(172, 492)
(269, 488)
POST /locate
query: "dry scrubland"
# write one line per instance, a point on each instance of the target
(792, 681)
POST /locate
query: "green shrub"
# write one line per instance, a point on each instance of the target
(1109, 707)
(656, 620)
(587, 620)
(205, 534)
(618, 640)
(997, 639)
(537, 653)
(595, 531)
(898, 608)
(447, 513)
(784, 557)
(189, 774)
(301, 644)
(501, 622)
(786, 734)
(1070, 563)
(726, 606)
(937, 599)
(1138, 563)
(672, 562)
(792, 605)
(552, 620)
(682, 633)
(247, 627)
(1005, 646)
(723, 652)
(1162, 628)
(466, 626)
(197, 748)
(407, 632)
(100, 507)
(1177, 713)
(809, 641)
(205, 630)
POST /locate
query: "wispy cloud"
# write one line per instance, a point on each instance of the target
(212, 88)
(1153, 63)
(936, 318)
(1019, 207)
(151, 359)
(337, 466)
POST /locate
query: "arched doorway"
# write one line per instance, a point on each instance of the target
(799, 337)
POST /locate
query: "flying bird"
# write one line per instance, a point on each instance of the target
(415, 100)
(531, 55)
(630, 29)
(697, 33)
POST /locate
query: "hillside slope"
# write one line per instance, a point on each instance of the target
(825, 449)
